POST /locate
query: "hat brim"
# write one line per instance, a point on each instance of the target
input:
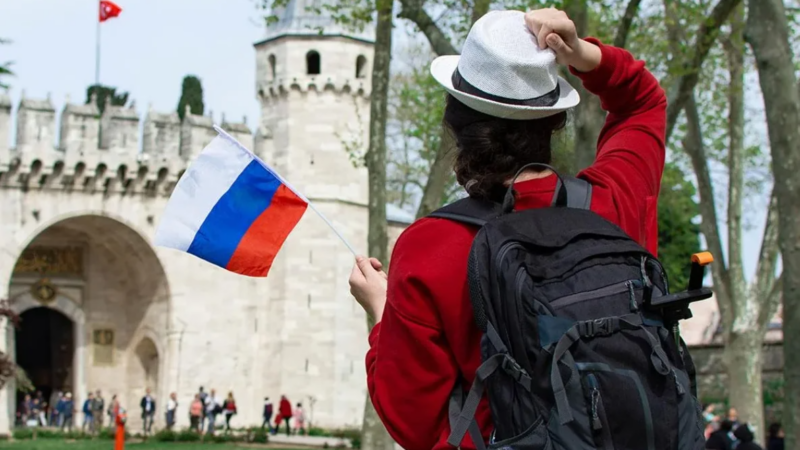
(443, 67)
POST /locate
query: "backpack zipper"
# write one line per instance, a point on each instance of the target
(616, 288)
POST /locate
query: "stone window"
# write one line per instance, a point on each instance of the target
(313, 63)
(103, 344)
(361, 65)
(272, 65)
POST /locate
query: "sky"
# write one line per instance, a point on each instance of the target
(155, 43)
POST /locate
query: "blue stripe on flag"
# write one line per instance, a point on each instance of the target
(237, 209)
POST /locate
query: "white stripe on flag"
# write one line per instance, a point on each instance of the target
(199, 189)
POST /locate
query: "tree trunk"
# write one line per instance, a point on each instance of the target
(743, 358)
(588, 117)
(767, 33)
(374, 434)
(435, 186)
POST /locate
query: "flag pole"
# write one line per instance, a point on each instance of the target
(310, 205)
(97, 56)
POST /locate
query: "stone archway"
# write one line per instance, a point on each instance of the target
(108, 280)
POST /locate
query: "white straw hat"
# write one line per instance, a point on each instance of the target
(502, 71)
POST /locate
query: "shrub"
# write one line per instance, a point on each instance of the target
(107, 433)
(22, 434)
(165, 436)
(316, 431)
(355, 442)
(260, 436)
(187, 436)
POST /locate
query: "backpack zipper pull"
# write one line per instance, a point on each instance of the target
(681, 391)
(632, 296)
(597, 425)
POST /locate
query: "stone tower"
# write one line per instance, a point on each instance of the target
(314, 92)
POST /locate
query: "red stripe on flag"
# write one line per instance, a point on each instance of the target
(259, 246)
(108, 9)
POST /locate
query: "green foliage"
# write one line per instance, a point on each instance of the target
(103, 93)
(678, 235)
(165, 436)
(5, 67)
(22, 433)
(191, 96)
(107, 433)
(260, 436)
(187, 435)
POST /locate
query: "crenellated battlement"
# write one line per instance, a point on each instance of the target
(280, 87)
(103, 153)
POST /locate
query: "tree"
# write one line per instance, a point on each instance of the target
(100, 93)
(745, 308)
(373, 433)
(5, 67)
(678, 235)
(767, 32)
(191, 96)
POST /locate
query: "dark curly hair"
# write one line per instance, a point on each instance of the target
(491, 150)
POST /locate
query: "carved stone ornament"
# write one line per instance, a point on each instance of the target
(43, 291)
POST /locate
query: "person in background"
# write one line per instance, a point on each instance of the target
(203, 399)
(299, 419)
(733, 416)
(745, 438)
(67, 412)
(148, 405)
(229, 409)
(775, 439)
(41, 404)
(113, 407)
(722, 438)
(172, 406)
(267, 414)
(212, 409)
(25, 409)
(88, 413)
(98, 406)
(36, 411)
(55, 399)
(285, 409)
(196, 413)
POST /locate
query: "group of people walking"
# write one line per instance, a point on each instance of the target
(725, 432)
(205, 408)
(285, 416)
(61, 410)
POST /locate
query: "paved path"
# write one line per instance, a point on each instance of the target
(311, 441)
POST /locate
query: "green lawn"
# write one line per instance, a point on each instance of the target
(58, 444)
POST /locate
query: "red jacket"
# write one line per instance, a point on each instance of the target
(285, 408)
(427, 335)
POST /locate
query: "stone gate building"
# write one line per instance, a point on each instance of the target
(102, 308)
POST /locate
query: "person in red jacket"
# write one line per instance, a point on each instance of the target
(426, 335)
(285, 411)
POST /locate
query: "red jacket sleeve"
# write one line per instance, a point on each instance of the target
(630, 149)
(411, 370)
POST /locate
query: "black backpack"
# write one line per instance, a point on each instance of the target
(573, 357)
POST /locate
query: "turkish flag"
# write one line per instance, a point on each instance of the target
(108, 10)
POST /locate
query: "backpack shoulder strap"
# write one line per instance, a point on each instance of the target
(470, 211)
(578, 191)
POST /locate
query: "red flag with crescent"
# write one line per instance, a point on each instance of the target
(108, 9)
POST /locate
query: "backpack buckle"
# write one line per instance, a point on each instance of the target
(512, 368)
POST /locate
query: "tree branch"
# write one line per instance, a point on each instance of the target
(621, 37)
(768, 256)
(770, 305)
(480, 8)
(706, 36)
(734, 47)
(693, 146)
(414, 11)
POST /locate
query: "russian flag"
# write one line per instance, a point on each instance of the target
(230, 209)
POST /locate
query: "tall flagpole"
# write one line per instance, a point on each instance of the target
(97, 55)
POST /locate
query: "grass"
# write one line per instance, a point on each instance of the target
(58, 444)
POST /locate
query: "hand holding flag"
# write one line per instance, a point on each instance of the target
(231, 209)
